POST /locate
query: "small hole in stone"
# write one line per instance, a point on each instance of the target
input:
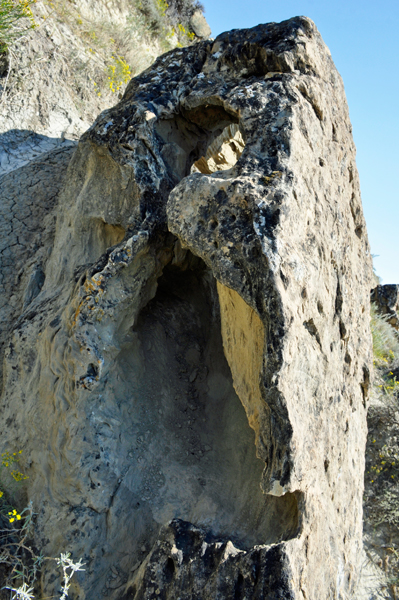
(213, 223)
(326, 464)
(169, 570)
(216, 244)
(233, 218)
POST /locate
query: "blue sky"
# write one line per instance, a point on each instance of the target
(363, 38)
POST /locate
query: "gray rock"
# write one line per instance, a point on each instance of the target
(255, 277)
(29, 194)
(199, 25)
(189, 562)
(20, 147)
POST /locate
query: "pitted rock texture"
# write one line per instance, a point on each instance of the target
(200, 345)
(187, 561)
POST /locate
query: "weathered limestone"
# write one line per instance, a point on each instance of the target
(199, 349)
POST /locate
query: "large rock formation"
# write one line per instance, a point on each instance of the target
(189, 379)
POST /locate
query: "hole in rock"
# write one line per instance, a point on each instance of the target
(239, 588)
(222, 153)
(203, 140)
(169, 570)
(193, 453)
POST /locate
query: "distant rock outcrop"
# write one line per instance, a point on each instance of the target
(386, 298)
(188, 373)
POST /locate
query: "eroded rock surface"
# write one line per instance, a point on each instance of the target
(29, 196)
(190, 382)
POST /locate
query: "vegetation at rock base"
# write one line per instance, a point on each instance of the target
(385, 339)
(16, 18)
(20, 561)
(176, 12)
(381, 498)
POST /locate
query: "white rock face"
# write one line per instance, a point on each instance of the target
(200, 343)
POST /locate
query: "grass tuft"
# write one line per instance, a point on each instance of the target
(385, 338)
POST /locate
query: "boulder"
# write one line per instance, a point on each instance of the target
(199, 25)
(189, 376)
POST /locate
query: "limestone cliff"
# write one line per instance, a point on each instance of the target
(188, 370)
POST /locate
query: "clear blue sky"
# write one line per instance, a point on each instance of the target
(363, 37)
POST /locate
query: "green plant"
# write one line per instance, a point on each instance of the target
(381, 497)
(25, 591)
(16, 18)
(162, 6)
(9, 476)
(153, 13)
(170, 19)
(118, 73)
(385, 338)
(68, 570)
(181, 11)
(20, 560)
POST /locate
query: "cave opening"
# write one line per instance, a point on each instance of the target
(204, 139)
(194, 397)
(195, 456)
